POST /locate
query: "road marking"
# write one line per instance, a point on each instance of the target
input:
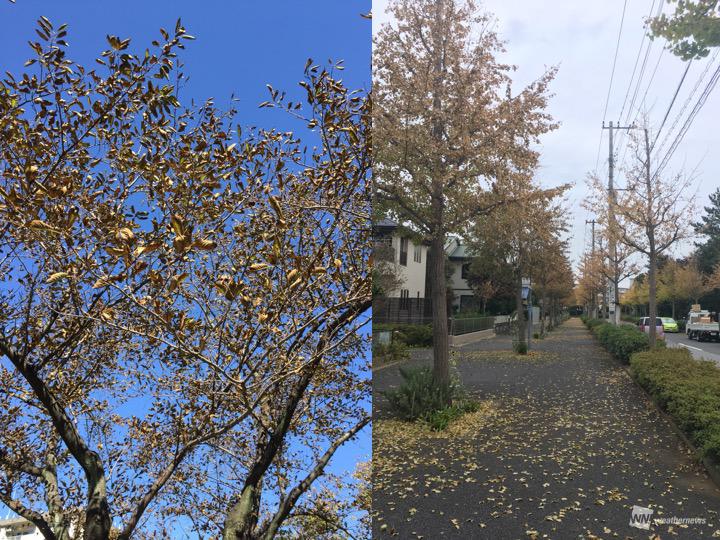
(690, 347)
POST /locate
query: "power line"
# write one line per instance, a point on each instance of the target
(617, 49)
(612, 77)
(622, 143)
(637, 59)
(672, 102)
(691, 117)
(687, 102)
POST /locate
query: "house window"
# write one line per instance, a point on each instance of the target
(465, 271)
(404, 299)
(417, 254)
(403, 251)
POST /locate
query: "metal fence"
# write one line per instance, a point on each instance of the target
(460, 326)
(402, 310)
(419, 311)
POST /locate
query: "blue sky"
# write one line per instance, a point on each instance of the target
(240, 47)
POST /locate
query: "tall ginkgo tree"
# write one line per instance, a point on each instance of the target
(448, 128)
(651, 213)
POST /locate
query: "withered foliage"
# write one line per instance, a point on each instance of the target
(180, 300)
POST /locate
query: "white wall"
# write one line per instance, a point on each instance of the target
(10, 527)
(413, 275)
(459, 286)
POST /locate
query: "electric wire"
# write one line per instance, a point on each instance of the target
(612, 77)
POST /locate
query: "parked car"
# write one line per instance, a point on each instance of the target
(644, 326)
(669, 324)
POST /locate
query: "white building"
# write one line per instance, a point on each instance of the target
(18, 529)
(459, 264)
(409, 256)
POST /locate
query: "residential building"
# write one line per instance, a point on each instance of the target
(18, 528)
(458, 267)
(408, 256)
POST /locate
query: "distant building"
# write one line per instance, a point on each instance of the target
(18, 529)
(459, 267)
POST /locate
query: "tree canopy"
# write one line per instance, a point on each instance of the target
(182, 300)
(692, 30)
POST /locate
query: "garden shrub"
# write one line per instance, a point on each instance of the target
(621, 341)
(412, 335)
(439, 420)
(687, 389)
(592, 323)
(420, 397)
(391, 352)
(416, 335)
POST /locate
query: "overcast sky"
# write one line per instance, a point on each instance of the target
(580, 38)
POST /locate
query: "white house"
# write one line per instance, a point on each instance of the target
(18, 529)
(459, 263)
(409, 257)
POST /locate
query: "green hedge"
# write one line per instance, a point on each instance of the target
(621, 341)
(687, 389)
(412, 335)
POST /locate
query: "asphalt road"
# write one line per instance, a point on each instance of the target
(568, 446)
(710, 350)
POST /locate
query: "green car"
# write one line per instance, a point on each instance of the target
(669, 324)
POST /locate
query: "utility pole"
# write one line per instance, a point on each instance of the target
(614, 285)
(593, 308)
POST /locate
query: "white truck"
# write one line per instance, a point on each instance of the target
(702, 325)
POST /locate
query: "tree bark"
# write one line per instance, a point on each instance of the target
(652, 301)
(521, 325)
(441, 353)
(652, 252)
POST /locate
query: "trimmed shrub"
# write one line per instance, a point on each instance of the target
(621, 341)
(592, 323)
(412, 335)
(687, 389)
(392, 352)
(416, 335)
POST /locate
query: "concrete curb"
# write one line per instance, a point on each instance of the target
(472, 337)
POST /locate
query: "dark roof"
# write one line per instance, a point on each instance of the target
(385, 224)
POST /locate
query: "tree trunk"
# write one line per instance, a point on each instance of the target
(652, 254)
(441, 354)
(652, 301)
(242, 517)
(97, 513)
(673, 309)
(521, 326)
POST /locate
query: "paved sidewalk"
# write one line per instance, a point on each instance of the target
(564, 446)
